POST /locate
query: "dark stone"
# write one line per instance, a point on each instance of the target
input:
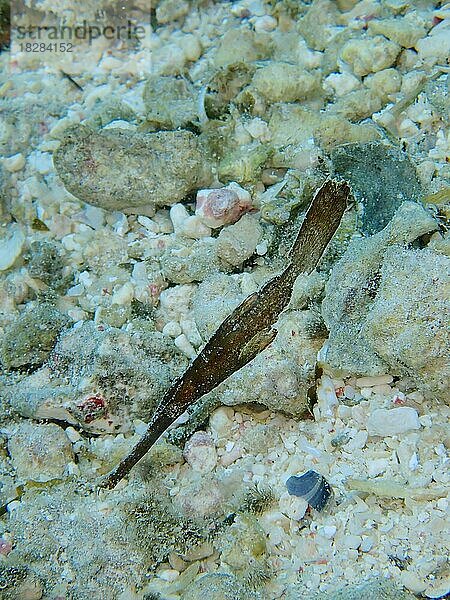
(311, 486)
(381, 176)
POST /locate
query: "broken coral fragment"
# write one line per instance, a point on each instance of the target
(200, 452)
(11, 246)
(369, 55)
(236, 243)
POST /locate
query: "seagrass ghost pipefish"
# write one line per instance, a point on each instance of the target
(248, 330)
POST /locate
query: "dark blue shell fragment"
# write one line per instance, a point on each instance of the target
(311, 486)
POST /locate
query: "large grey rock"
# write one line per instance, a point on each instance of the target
(386, 305)
(408, 324)
(116, 169)
(280, 376)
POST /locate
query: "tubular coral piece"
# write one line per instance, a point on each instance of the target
(248, 330)
(392, 489)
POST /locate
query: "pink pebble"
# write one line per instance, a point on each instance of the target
(222, 206)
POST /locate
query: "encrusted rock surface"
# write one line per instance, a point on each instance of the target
(96, 547)
(185, 261)
(217, 586)
(117, 169)
(385, 305)
(376, 589)
(408, 324)
(29, 339)
(215, 298)
(100, 378)
(39, 452)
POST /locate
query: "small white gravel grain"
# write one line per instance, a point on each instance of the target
(13, 163)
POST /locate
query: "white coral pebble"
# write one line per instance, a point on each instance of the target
(265, 23)
(11, 246)
(185, 346)
(14, 163)
(387, 422)
(326, 396)
(293, 507)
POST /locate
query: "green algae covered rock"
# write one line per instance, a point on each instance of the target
(215, 298)
(108, 110)
(17, 581)
(226, 84)
(244, 164)
(170, 102)
(45, 262)
(30, 338)
(240, 43)
(404, 32)
(64, 514)
(437, 93)
(283, 82)
(116, 169)
(318, 26)
(4, 23)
